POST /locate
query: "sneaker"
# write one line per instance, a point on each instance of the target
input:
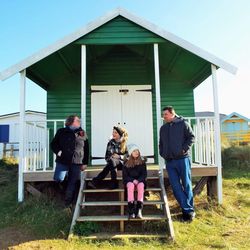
(188, 216)
(192, 215)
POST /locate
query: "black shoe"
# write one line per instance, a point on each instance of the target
(131, 210)
(113, 184)
(92, 184)
(139, 207)
(188, 217)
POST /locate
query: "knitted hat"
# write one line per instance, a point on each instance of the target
(118, 130)
(131, 148)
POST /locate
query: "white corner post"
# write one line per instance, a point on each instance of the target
(158, 101)
(21, 136)
(83, 86)
(217, 135)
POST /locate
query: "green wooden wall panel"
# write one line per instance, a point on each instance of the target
(64, 98)
(120, 31)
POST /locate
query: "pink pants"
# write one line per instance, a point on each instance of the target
(140, 191)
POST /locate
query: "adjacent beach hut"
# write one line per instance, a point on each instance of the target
(119, 69)
(235, 129)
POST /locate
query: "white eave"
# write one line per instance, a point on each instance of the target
(104, 19)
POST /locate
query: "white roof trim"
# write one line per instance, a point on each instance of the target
(99, 22)
(26, 113)
(228, 117)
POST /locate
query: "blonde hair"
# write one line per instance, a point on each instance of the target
(124, 140)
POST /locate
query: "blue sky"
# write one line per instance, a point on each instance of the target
(218, 26)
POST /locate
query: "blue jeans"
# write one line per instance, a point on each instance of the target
(179, 173)
(73, 173)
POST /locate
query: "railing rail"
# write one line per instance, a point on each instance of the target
(203, 150)
(39, 157)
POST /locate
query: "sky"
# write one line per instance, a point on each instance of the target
(221, 27)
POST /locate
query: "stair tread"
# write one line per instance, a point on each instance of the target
(119, 218)
(103, 190)
(109, 236)
(118, 203)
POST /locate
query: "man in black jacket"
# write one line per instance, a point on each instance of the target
(176, 139)
(71, 147)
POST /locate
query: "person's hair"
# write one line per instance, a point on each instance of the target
(124, 140)
(131, 161)
(170, 109)
(70, 119)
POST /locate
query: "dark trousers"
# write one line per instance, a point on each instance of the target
(73, 173)
(109, 168)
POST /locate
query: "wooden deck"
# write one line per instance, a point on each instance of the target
(197, 170)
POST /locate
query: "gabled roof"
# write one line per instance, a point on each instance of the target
(208, 114)
(230, 117)
(104, 19)
(26, 112)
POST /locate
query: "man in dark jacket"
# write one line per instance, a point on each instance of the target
(176, 139)
(71, 147)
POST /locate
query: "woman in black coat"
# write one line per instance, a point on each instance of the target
(71, 147)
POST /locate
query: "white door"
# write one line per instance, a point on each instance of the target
(127, 106)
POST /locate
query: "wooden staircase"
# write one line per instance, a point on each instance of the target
(83, 203)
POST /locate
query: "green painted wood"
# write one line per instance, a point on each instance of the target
(119, 66)
(120, 31)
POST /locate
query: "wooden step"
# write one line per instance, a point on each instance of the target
(120, 218)
(120, 178)
(108, 236)
(115, 190)
(118, 203)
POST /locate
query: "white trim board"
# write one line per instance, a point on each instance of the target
(104, 19)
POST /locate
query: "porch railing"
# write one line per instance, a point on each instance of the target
(203, 150)
(39, 157)
(38, 134)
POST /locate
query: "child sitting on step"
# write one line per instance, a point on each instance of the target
(115, 151)
(134, 178)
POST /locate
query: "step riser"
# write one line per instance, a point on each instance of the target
(118, 218)
(118, 204)
(119, 178)
(116, 190)
(93, 173)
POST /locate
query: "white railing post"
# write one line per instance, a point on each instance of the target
(54, 156)
(158, 101)
(21, 136)
(83, 87)
(217, 134)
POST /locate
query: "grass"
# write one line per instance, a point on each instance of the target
(43, 224)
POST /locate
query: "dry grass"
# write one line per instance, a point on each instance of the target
(41, 224)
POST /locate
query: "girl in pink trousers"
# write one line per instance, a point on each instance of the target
(134, 178)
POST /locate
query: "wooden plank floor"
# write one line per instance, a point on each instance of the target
(197, 170)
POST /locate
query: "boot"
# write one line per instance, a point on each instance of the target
(93, 183)
(131, 210)
(113, 184)
(139, 207)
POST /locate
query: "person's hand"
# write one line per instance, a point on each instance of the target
(183, 151)
(116, 156)
(83, 167)
(59, 153)
(135, 182)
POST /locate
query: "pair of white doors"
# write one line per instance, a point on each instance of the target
(129, 106)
